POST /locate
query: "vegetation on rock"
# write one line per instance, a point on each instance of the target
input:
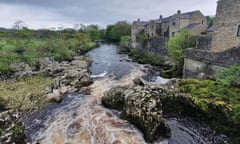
(229, 76)
(24, 94)
(146, 58)
(217, 101)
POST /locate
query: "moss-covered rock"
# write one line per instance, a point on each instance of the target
(114, 98)
(144, 109)
(140, 107)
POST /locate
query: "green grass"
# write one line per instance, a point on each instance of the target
(28, 50)
(24, 94)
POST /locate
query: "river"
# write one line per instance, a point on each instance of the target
(81, 119)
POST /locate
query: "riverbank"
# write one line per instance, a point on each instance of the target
(30, 89)
(175, 99)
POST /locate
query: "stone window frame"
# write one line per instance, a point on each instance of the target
(238, 30)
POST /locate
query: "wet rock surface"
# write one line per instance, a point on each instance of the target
(141, 107)
(148, 104)
(68, 77)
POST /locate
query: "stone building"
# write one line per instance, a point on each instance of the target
(138, 27)
(194, 21)
(221, 48)
(227, 26)
(159, 31)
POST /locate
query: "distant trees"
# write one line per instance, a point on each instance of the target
(94, 34)
(210, 20)
(116, 31)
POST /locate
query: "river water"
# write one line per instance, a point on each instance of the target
(80, 119)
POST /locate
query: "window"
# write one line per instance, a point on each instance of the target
(173, 33)
(173, 23)
(238, 30)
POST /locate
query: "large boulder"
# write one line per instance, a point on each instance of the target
(140, 106)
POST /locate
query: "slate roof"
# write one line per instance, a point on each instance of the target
(140, 23)
(192, 26)
(163, 20)
(188, 15)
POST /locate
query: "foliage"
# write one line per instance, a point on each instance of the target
(210, 20)
(177, 45)
(144, 38)
(211, 92)
(125, 43)
(27, 45)
(146, 58)
(94, 34)
(229, 76)
(116, 31)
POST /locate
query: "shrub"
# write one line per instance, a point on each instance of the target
(229, 76)
(177, 45)
(146, 58)
(125, 44)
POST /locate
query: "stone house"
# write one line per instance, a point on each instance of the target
(138, 27)
(194, 21)
(221, 48)
(162, 29)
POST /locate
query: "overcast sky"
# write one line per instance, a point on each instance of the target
(54, 13)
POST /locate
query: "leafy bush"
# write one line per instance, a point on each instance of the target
(125, 44)
(229, 76)
(177, 45)
(214, 93)
(144, 38)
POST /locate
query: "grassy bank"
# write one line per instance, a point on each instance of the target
(24, 94)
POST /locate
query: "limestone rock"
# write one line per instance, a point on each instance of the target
(114, 98)
(142, 107)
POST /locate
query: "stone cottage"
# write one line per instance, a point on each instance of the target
(194, 21)
(159, 31)
(219, 50)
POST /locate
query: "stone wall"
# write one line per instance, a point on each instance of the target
(204, 43)
(157, 45)
(204, 62)
(226, 25)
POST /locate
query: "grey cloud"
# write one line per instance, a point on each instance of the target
(103, 11)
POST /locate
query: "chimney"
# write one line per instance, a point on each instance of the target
(179, 12)
(160, 17)
(138, 19)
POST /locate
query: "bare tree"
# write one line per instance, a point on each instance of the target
(19, 24)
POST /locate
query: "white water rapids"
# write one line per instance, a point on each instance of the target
(80, 119)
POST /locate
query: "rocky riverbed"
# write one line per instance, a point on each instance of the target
(76, 110)
(64, 77)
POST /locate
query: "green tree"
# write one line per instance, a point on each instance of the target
(210, 20)
(176, 47)
(94, 34)
(116, 31)
(108, 33)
